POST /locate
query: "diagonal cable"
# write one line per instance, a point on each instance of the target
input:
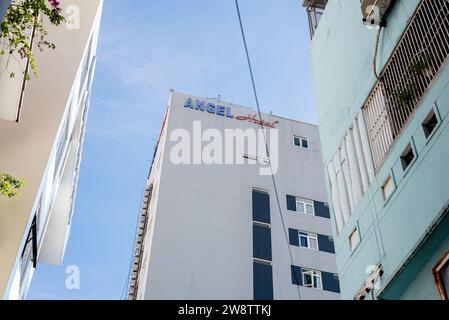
(266, 143)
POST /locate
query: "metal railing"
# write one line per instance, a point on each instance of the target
(133, 281)
(420, 55)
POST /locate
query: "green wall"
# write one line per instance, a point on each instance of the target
(342, 55)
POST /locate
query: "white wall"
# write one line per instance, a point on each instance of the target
(201, 246)
(29, 146)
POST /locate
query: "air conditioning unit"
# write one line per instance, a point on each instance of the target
(370, 283)
(373, 11)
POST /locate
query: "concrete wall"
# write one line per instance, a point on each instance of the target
(199, 244)
(29, 146)
(342, 54)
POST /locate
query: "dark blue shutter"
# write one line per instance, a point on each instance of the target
(293, 235)
(296, 275)
(324, 244)
(263, 281)
(261, 207)
(330, 282)
(321, 210)
(261, 242)
(291, 203)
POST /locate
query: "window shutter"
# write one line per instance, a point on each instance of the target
(321, 210)
(330, 282)
(261, 207)
(296, 275)
(291, 203)
(262, 242)
(324, 244)
(293, 235)
(263, 282)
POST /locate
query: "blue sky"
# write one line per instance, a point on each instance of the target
(146, 48)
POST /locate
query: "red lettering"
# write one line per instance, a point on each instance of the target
(254, 119)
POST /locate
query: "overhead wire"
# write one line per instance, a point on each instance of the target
(248, 59)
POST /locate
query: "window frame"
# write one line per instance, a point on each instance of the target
(442, 263)
(304, 203)
(425, 123)
(352, 247)
(301, 139)
(314, 275)
(388, 180)
(309, 236)
(403, 158)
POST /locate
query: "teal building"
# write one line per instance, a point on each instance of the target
(382, 97)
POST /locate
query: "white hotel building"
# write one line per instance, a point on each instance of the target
(41, 136)
(215, 231)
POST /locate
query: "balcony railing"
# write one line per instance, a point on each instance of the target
(420, 55)
(135, 272)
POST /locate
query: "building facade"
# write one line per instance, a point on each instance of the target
(211, 227)
(382, 97)
(41, 137)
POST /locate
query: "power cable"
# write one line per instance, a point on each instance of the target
(266, 143)
(375, 53)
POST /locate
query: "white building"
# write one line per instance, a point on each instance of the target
(41, 136)
(214, 231)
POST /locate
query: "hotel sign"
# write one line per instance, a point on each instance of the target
(226, 112)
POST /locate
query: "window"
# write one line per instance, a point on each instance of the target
(354, 239)
(430, 123)
(301, 142)
(388, 188)
(441, 274)
(305, 206)
(308, 240)
(262, 280)
(262, 241)
(261, 206)
(312, 279)
(407, 157)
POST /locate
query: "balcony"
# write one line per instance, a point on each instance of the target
(409, 74)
